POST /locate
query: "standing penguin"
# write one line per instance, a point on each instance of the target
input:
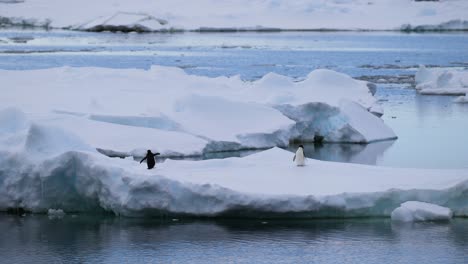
(299, 158)
(150, 161)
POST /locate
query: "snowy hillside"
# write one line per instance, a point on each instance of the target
(142, 15)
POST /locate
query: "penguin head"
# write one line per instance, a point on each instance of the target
(301, 146)
(149, 151)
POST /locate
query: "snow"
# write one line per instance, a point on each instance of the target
(46, 164)
(124, 21)
(441, 81)
(141, 15)
(413, 211)
(260, 185)
(176, 114)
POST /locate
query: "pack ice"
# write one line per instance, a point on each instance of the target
(125, 112)
(42, 168)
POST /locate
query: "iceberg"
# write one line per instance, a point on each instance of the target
(441, 81)
(125, 22)
(413, 211)
(241, 15)
(76, 178)
(124, 112)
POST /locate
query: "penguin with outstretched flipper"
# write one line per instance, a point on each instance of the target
(150, 161)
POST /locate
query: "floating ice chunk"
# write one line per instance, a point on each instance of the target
(414, 211)
(55, 213)
(441, 81)
(125, 22)
(461, 100)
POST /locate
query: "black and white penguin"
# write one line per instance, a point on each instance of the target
(150, 161)
(299, 158)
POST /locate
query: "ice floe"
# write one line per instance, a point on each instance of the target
(441, 81)
(266, 184)
(413, 211)
(176, 114)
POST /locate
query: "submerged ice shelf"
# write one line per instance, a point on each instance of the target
(176, 114)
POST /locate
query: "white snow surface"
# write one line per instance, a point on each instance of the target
(176, 114)
(75, 178)
(414, 211)
(441, 81)
(242, 14)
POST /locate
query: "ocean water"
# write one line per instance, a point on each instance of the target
(431, 129)
(85, 239)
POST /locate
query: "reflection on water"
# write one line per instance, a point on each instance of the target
(82, 239)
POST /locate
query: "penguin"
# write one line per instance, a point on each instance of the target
(150, 161)
(299, 158)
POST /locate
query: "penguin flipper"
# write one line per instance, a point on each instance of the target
(294, 159)
(143, 160)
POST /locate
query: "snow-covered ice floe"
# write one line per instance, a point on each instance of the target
(461, 100)
(243, 15)
(441, 81)
(125, 112)
(413, 211)
(52, 168)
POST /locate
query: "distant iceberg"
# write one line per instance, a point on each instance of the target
(241, 15)
(441, 81)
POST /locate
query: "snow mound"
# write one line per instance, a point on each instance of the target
(413, 211)
(178, 114)
(125, 22)
(441, 81)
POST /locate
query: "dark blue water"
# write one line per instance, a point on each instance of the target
(81, 239)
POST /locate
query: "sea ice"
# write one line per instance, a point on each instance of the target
(176, 114)
(414, 211)
(441, 81)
